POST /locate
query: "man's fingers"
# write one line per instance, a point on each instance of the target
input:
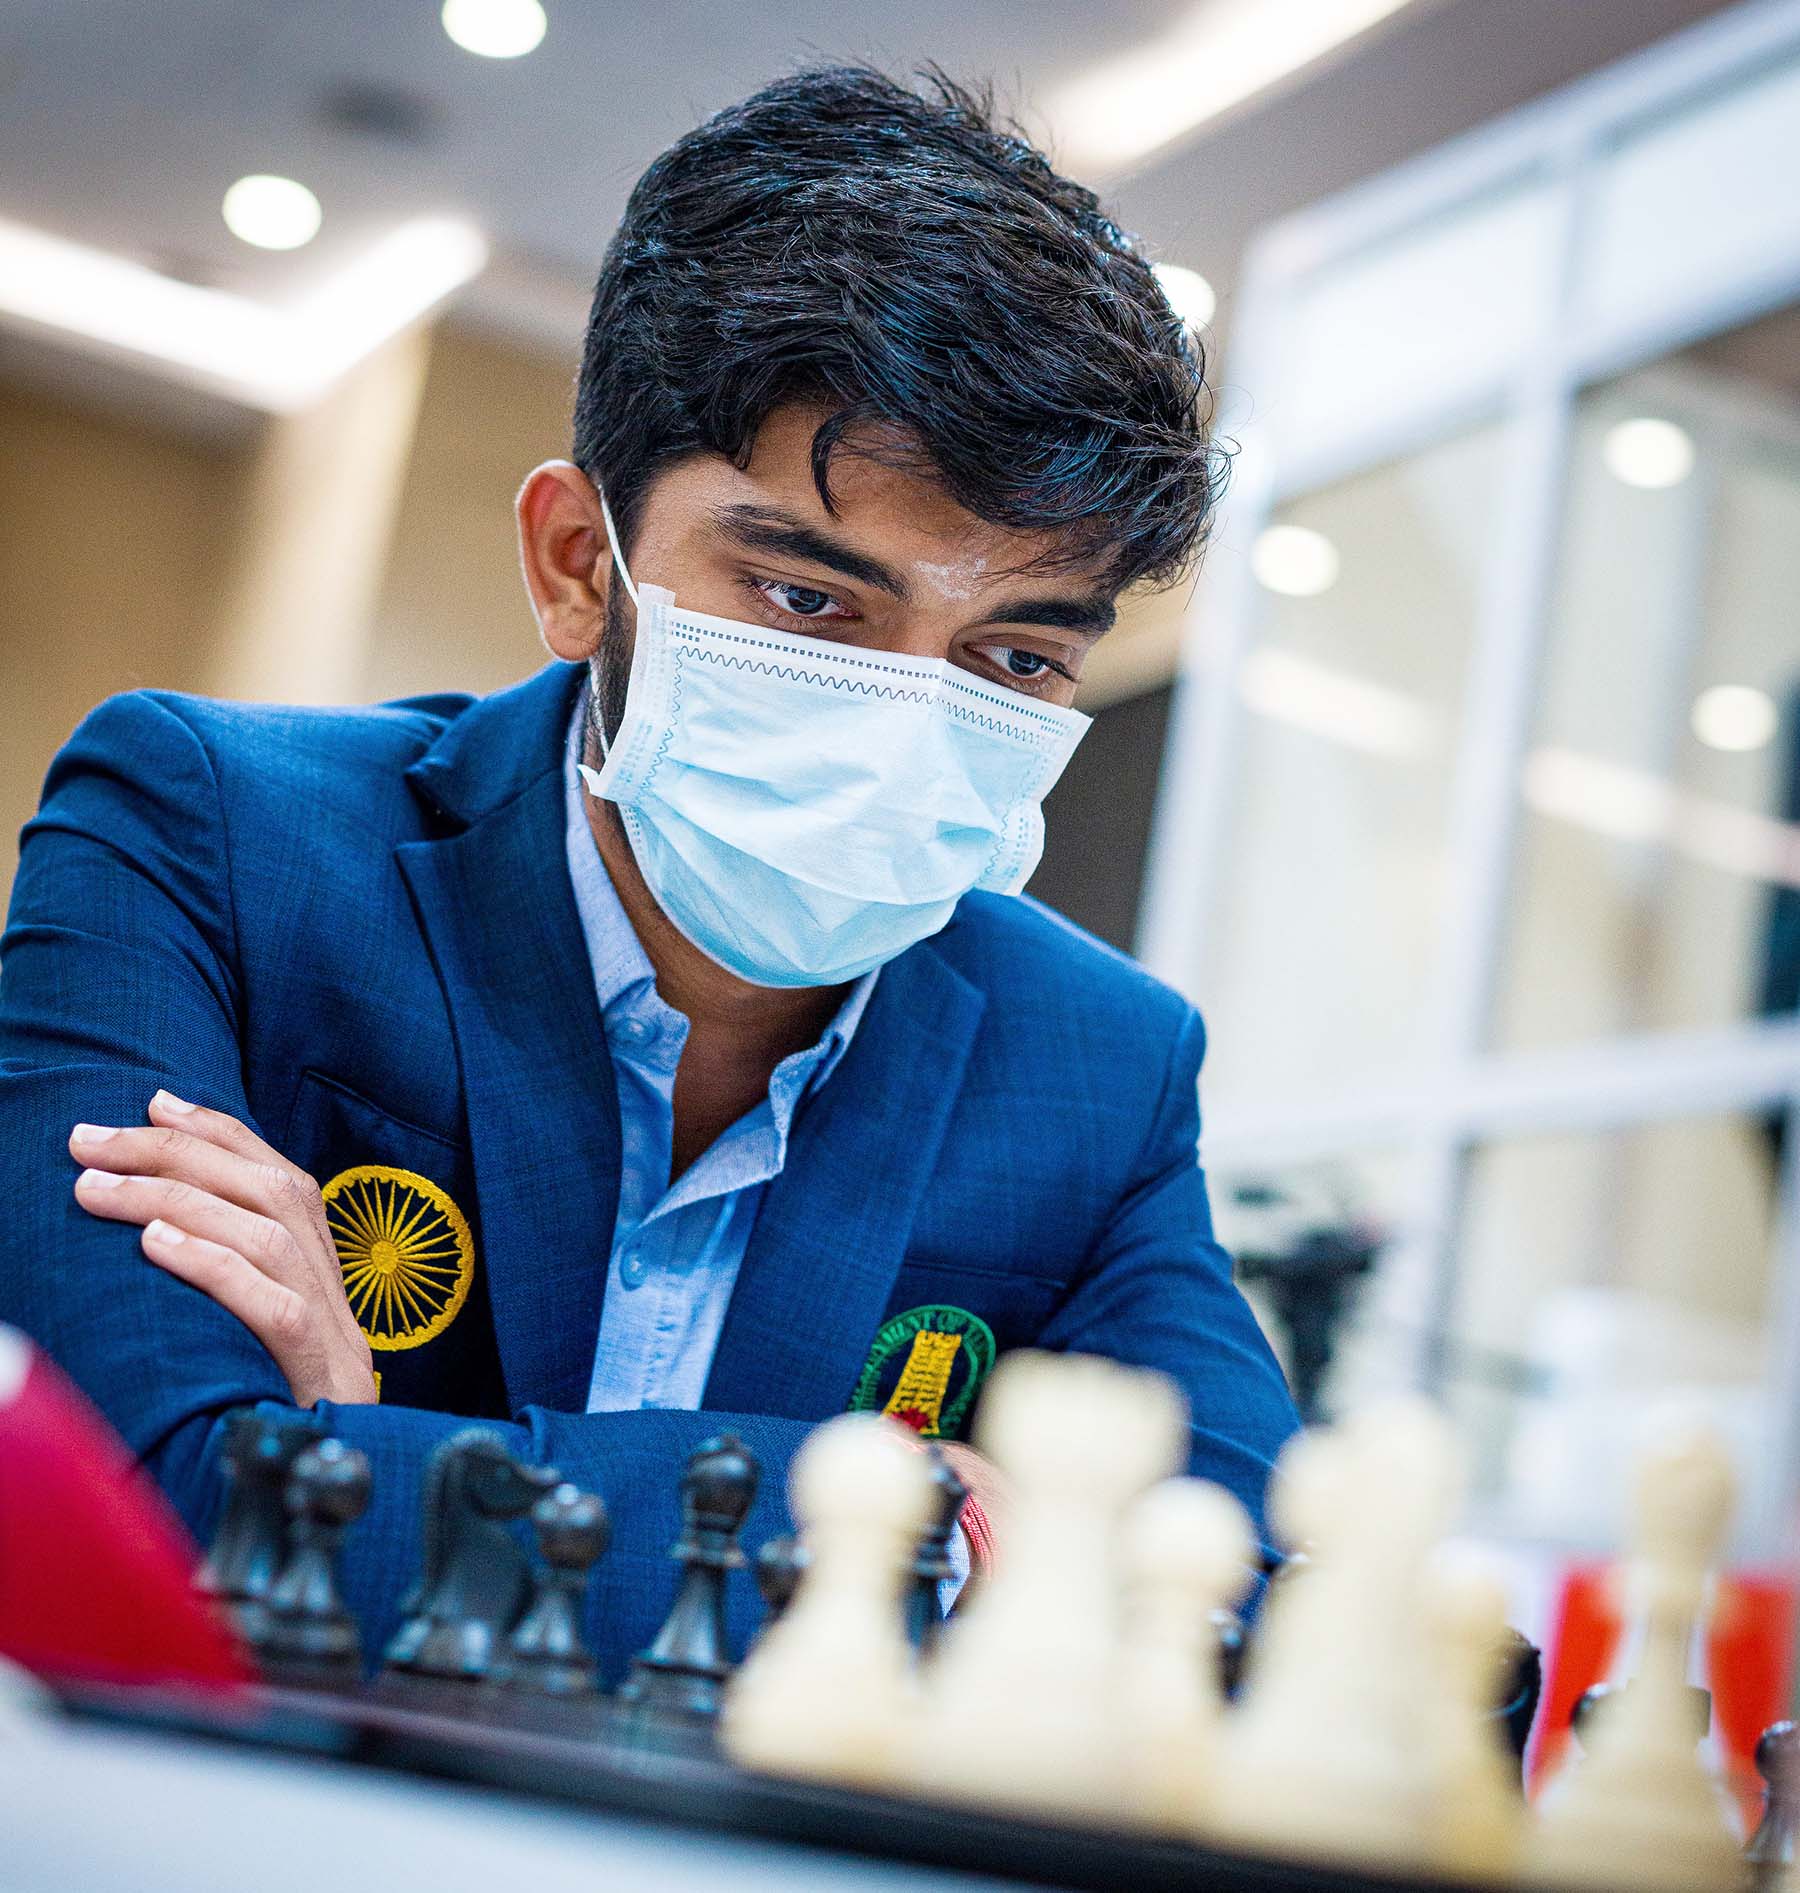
(272, 1312)
(162, 1151)
(216, 1127)
(136, 1199)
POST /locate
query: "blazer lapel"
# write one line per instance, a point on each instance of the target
(498, 913)
(832, 1229)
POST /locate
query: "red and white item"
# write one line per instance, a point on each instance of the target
(95, 1568)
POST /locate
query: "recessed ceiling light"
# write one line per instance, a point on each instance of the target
(1294, 560)
(1649, 453)
(1735, 716)
(495, 29)
(1190, 294)
(274, 213)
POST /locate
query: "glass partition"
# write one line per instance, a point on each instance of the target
(1480, 819)
(1353, 690)
(1599, 1270)
(1659, 859)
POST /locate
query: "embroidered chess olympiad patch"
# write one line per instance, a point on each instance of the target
(925, 1368)
(405, 1250)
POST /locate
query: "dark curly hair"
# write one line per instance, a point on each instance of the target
(920, 269)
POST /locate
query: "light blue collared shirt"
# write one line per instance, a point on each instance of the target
(676, 1249)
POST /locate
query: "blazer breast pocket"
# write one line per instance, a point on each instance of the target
(400, 1203)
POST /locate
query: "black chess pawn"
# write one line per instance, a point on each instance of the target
(477, 1577)
(250, 1545)
(547, 1655)
(1521, 1685)
(1772, 1847)
(1229, 1641)
(780, 1565)
(308, 1632)
(931, 1560)
(684, 1670)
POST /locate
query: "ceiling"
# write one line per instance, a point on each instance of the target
(122, 121)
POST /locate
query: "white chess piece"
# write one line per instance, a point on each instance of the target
(1187, 1551)
(1021, 1699)
(1324, 1757)
(1477, 1814)
(1641, 1811)
(828, 1690)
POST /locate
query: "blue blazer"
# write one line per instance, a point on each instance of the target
(354, 929)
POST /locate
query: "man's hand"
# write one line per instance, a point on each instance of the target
(222, 1210)
(987, 1485)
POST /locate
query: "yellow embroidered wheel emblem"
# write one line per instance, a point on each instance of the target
(405, 1250)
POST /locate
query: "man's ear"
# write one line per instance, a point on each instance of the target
(563, 556)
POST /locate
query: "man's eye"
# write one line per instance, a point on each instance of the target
(1023, 666)
(800, 601)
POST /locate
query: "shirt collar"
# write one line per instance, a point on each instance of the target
(622, 969)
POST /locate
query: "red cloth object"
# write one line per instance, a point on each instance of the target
(1583, 1640)
(1749, 1646)
(94, 1565)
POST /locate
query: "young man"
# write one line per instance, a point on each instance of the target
(657, 1046)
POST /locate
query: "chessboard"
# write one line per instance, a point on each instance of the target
(1361, 1733)
(596, 1763)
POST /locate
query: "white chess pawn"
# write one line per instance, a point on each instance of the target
(1187, 1551)
(1325, 1756)
(1021, 1698)
(1477, 1814)
(1641, 1811)
(828, 1690)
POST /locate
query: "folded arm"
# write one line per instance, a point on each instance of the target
(119, 976)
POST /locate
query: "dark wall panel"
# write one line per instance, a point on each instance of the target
(1097, 819)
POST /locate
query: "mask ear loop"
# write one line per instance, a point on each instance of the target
(618, 559)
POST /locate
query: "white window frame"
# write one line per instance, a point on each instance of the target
(1467, 1094)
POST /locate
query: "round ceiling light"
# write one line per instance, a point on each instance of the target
(1735, 717)
(495, 29)
(1294, 560)
(1190, 294)
(274, 213)
(1649, 453)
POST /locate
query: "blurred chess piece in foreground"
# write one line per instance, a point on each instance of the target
(828, 1689)
(1640, 1810)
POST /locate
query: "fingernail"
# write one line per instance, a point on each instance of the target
(169, 1101)
(94, 1133)
(99, 1179)
(165, 1233)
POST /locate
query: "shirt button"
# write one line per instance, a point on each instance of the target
(632, 1269)
(633, 1032)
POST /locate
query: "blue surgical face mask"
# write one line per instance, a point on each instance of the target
(803, 811)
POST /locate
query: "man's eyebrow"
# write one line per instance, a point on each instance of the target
(1088, 616)
(769, 530)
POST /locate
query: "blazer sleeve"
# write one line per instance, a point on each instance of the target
(1158, 1292)
(119, 973)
